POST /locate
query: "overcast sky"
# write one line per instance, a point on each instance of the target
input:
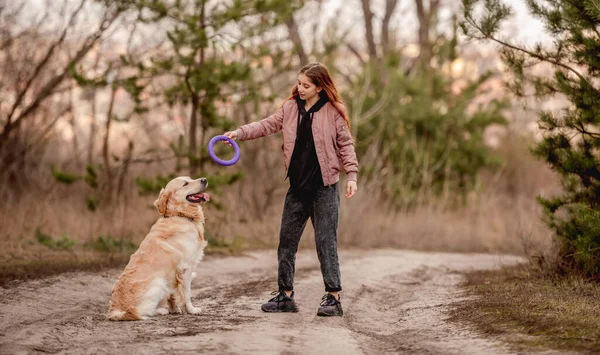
(522, 29)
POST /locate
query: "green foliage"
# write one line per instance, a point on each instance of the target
(64, 177)
(61, 243)
(93, 198)
(216, 181)
(91, 178)
(152, 186)
(579, 233)
(213, 241)
(199, 73)
(110, 244)
(496, 12)
(429, 139)
(219, 245)
(92, 203)
(84, 81)
(571, 139)
(211, 53)
(148, 186)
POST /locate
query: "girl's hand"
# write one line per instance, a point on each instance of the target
(351, 189)
(231, 134)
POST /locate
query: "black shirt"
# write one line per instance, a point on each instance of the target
(305, 171)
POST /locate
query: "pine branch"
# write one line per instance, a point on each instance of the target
(528, 52)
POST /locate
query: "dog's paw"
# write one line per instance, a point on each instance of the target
(193, 310)
(175, 310)
(162, 311)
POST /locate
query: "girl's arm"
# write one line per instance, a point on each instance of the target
(345, 145)
(262, 128)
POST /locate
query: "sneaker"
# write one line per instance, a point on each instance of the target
(280, 303)
(330, 306)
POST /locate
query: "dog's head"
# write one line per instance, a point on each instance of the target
(183, 197)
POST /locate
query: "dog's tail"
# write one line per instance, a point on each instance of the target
(117, 314)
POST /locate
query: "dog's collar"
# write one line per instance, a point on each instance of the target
(186, 217)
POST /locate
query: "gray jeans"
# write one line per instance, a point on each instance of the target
(323, 210)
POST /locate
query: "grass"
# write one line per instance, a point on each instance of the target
(529, 309)
(50, 263)
(109, 244)
(62, 243)
(41, 226)
(14, 271)
(46, 255)
(218, 246)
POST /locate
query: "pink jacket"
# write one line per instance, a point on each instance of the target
(333, 141)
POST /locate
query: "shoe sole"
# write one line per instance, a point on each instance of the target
(289, 310)
(323, 314)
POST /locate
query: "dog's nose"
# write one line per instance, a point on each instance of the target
(203, 180)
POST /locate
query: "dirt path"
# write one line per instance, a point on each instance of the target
(394, 301)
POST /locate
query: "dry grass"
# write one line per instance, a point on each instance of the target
(503, 217)
(489, 223)
(14, 271)
(529, 309)
(62, 212)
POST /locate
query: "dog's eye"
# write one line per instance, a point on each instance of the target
(185, 183)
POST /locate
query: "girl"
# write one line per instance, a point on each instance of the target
(317, 144)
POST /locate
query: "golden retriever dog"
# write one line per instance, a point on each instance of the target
(160, 271)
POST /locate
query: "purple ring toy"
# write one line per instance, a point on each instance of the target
(211, 150)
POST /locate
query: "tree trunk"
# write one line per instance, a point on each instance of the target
(423, 17)
(124, 171)
(193, 148)
(205, 126)
(294, 35)
(368, 15)
(427, 18)
(390, 6)
(75, 141)
(92, 102)
(193, 128)
(92, 138)
(105, 147)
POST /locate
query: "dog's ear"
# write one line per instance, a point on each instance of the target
(161, 201)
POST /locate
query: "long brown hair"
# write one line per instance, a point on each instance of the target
(320, 76)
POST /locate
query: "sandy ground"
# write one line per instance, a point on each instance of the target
(394, 302)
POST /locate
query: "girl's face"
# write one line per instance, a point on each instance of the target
(306, 88)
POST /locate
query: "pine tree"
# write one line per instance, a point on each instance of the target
(419, 137)
(571, 136)
(212, 50)
(213, 47)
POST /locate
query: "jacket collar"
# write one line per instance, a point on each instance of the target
(316, 107)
